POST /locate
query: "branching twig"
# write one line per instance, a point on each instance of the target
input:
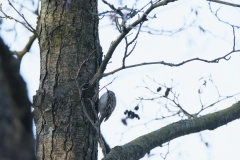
(216, 15)
(27, 25)
(165, 32)
(115, 43)
(176, 102)
(227, 97)
(128, 44)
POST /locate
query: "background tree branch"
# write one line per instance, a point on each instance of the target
(137, 148)
(225, 3)
(216, 60)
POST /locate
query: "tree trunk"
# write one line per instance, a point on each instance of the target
(67, 36)
(16, 136)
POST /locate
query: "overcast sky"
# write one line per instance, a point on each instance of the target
(215, 41)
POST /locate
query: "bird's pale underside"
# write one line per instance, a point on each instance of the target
(106, 105)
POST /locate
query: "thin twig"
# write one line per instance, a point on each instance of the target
(234, 38)
(108, 84)
(216, 15)
(85, 112)
(21, 15)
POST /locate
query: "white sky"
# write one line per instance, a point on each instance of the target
(224, 142)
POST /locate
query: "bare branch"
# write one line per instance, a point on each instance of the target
(226, 3)
(144, 144)
(110, 5)
(125, 31)
(26, 49)
(123, 34)
(172, 64)
(234, 38)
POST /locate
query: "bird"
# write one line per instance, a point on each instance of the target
(106, 105)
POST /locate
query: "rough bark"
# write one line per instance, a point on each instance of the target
(16, 136)
(66, 39)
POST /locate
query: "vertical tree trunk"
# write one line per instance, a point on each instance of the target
(66, 39)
